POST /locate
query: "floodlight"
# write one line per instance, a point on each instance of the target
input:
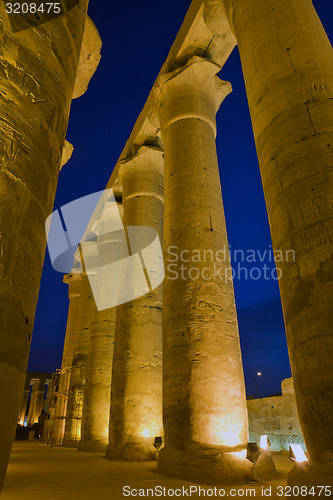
(296, 453)
(264, 442)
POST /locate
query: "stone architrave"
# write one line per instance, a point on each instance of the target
(136, 388)
(287, 63)
(204, 403)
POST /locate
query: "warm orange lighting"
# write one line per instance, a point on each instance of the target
(225, 433)
(259, 374)
(150, 430)
(239, 454)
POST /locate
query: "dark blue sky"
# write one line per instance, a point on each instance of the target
(136, 39)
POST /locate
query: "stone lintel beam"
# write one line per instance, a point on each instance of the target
(198, 35)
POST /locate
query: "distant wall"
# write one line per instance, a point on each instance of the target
(277, 417)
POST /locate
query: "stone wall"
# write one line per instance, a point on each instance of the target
(277, 417)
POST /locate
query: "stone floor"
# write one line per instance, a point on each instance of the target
(37, 472)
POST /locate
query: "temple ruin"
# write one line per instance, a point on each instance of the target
(161, 376)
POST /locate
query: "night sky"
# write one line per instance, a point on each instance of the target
(136, 39)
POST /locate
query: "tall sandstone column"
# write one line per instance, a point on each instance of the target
(38, 68)
(79, 361)
(204, 404)
(74, 281)
(288, 72)
(136, 388)
(24, 402)
(36, 401)
(97, 394)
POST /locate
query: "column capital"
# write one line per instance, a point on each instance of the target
(137, 174)
(147, 158)
(192, 91)
(109, 220)
(73, 280)
(89, 255)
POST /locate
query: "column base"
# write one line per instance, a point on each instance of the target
(309, 475)
(133, 451)
(69, 443)
(205, 465)
(92, 445)
(264, 467)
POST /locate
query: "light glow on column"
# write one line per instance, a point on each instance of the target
(150, 430)
(225, 433)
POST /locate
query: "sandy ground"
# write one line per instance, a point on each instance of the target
(37, 472)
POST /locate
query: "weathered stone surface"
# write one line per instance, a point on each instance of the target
(306, 474)
(277, 417)
(74, 281)
(136, 388)
(204, 402)
(66, 153)
(264, 467)
(97, 393)
(290, 90)
(38, 68)
(36, 401)
(79, 360)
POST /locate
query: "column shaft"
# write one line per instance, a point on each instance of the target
(74, 289)
(72, 433)
(288, 72)
(136, 389)
(38, 68)
(24, 404)
(97, 395)
(36, 402)
(204, 404)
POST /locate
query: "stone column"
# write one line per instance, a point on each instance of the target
(36, 401)
(136, 389)
(24, 402)
(30, 417)
(97, 396)
(74, 281)
(288, 73)
(78, 367)
(204, 403)
(38, 68)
